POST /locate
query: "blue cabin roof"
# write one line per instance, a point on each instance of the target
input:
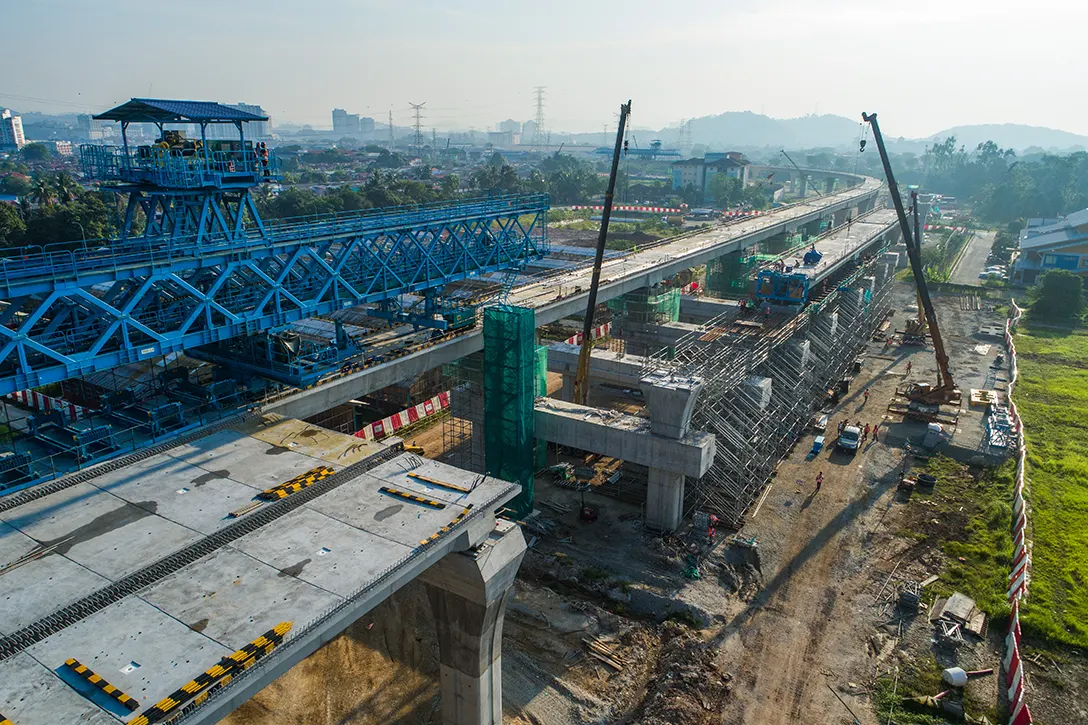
(157, 110)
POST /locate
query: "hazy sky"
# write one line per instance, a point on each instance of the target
(924, 65)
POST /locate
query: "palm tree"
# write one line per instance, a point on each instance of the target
(42, 191)
(66, 187)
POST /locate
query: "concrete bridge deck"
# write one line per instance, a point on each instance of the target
(843, 243)
(142, 574)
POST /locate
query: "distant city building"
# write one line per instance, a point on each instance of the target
(350, 124)
(509, 125)
(226, 131)
(1047, 244)
(503, 139)
(62, 148)
(700, 172)
(11, 131)
(91, 129)
(528, 130)
(255, 129)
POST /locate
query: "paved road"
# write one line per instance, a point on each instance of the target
(973, 260)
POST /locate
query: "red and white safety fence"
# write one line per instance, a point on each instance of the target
(1013, 663)
(650, 209)
(37, 401)
(749, 212)
(934, 227)
(388, 426)
(597, 332)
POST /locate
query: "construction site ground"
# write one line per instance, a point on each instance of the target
(607, 624)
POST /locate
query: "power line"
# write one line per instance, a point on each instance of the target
(418, 108)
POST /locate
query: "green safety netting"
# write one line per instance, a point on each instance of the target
(510, 383)
(652, 306)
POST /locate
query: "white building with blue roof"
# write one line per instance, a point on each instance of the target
(1047, 244)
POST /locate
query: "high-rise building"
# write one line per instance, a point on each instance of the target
(509, 126)
(11, 130)
(366, 124)
(255, 129)
(91, 129)
(346, 123)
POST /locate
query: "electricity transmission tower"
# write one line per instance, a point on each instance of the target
(392, 140)
(418, 108)
(538, 128)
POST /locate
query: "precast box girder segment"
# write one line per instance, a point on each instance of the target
(65, 313)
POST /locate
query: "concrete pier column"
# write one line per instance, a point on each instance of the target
(829, 185)
(468, 592)
(664, 500)
(567, 393)
(671, 401)
(803, 186)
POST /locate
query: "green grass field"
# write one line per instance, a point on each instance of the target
(1052, 397)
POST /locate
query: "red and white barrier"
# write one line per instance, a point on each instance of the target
(388, 426)
(1021, 560)
(651, 209)
(37, 401)
(596, 332)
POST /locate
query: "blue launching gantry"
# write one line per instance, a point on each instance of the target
(195, 266)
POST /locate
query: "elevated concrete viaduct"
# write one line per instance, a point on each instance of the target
(566, 294)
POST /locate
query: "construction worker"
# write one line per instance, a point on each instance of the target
(865, 433)
(866, 396)
(876, 428)
(819, 480)
(842, 424)
(909, 366)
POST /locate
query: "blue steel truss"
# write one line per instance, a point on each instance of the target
(67, 312)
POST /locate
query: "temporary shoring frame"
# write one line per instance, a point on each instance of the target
(753, 437)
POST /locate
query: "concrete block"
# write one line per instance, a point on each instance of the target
(759, 388)
(671, 400)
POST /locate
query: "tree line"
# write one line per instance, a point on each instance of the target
(51, 208)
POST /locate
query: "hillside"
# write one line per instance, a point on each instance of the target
(745, 129)
(1013, 135)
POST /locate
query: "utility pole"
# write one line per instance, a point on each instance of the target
(538, 128)
(392, 140)
(418, 108)
(581, 380)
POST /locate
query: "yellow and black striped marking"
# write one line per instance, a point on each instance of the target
(442, 484)
(407, 496)
(445, 529)
(218, 674)
(4, 720)
(89, 675)
(296, 484)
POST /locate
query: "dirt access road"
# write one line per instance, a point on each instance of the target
(807, 627)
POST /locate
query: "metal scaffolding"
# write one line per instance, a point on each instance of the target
(764, 377)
